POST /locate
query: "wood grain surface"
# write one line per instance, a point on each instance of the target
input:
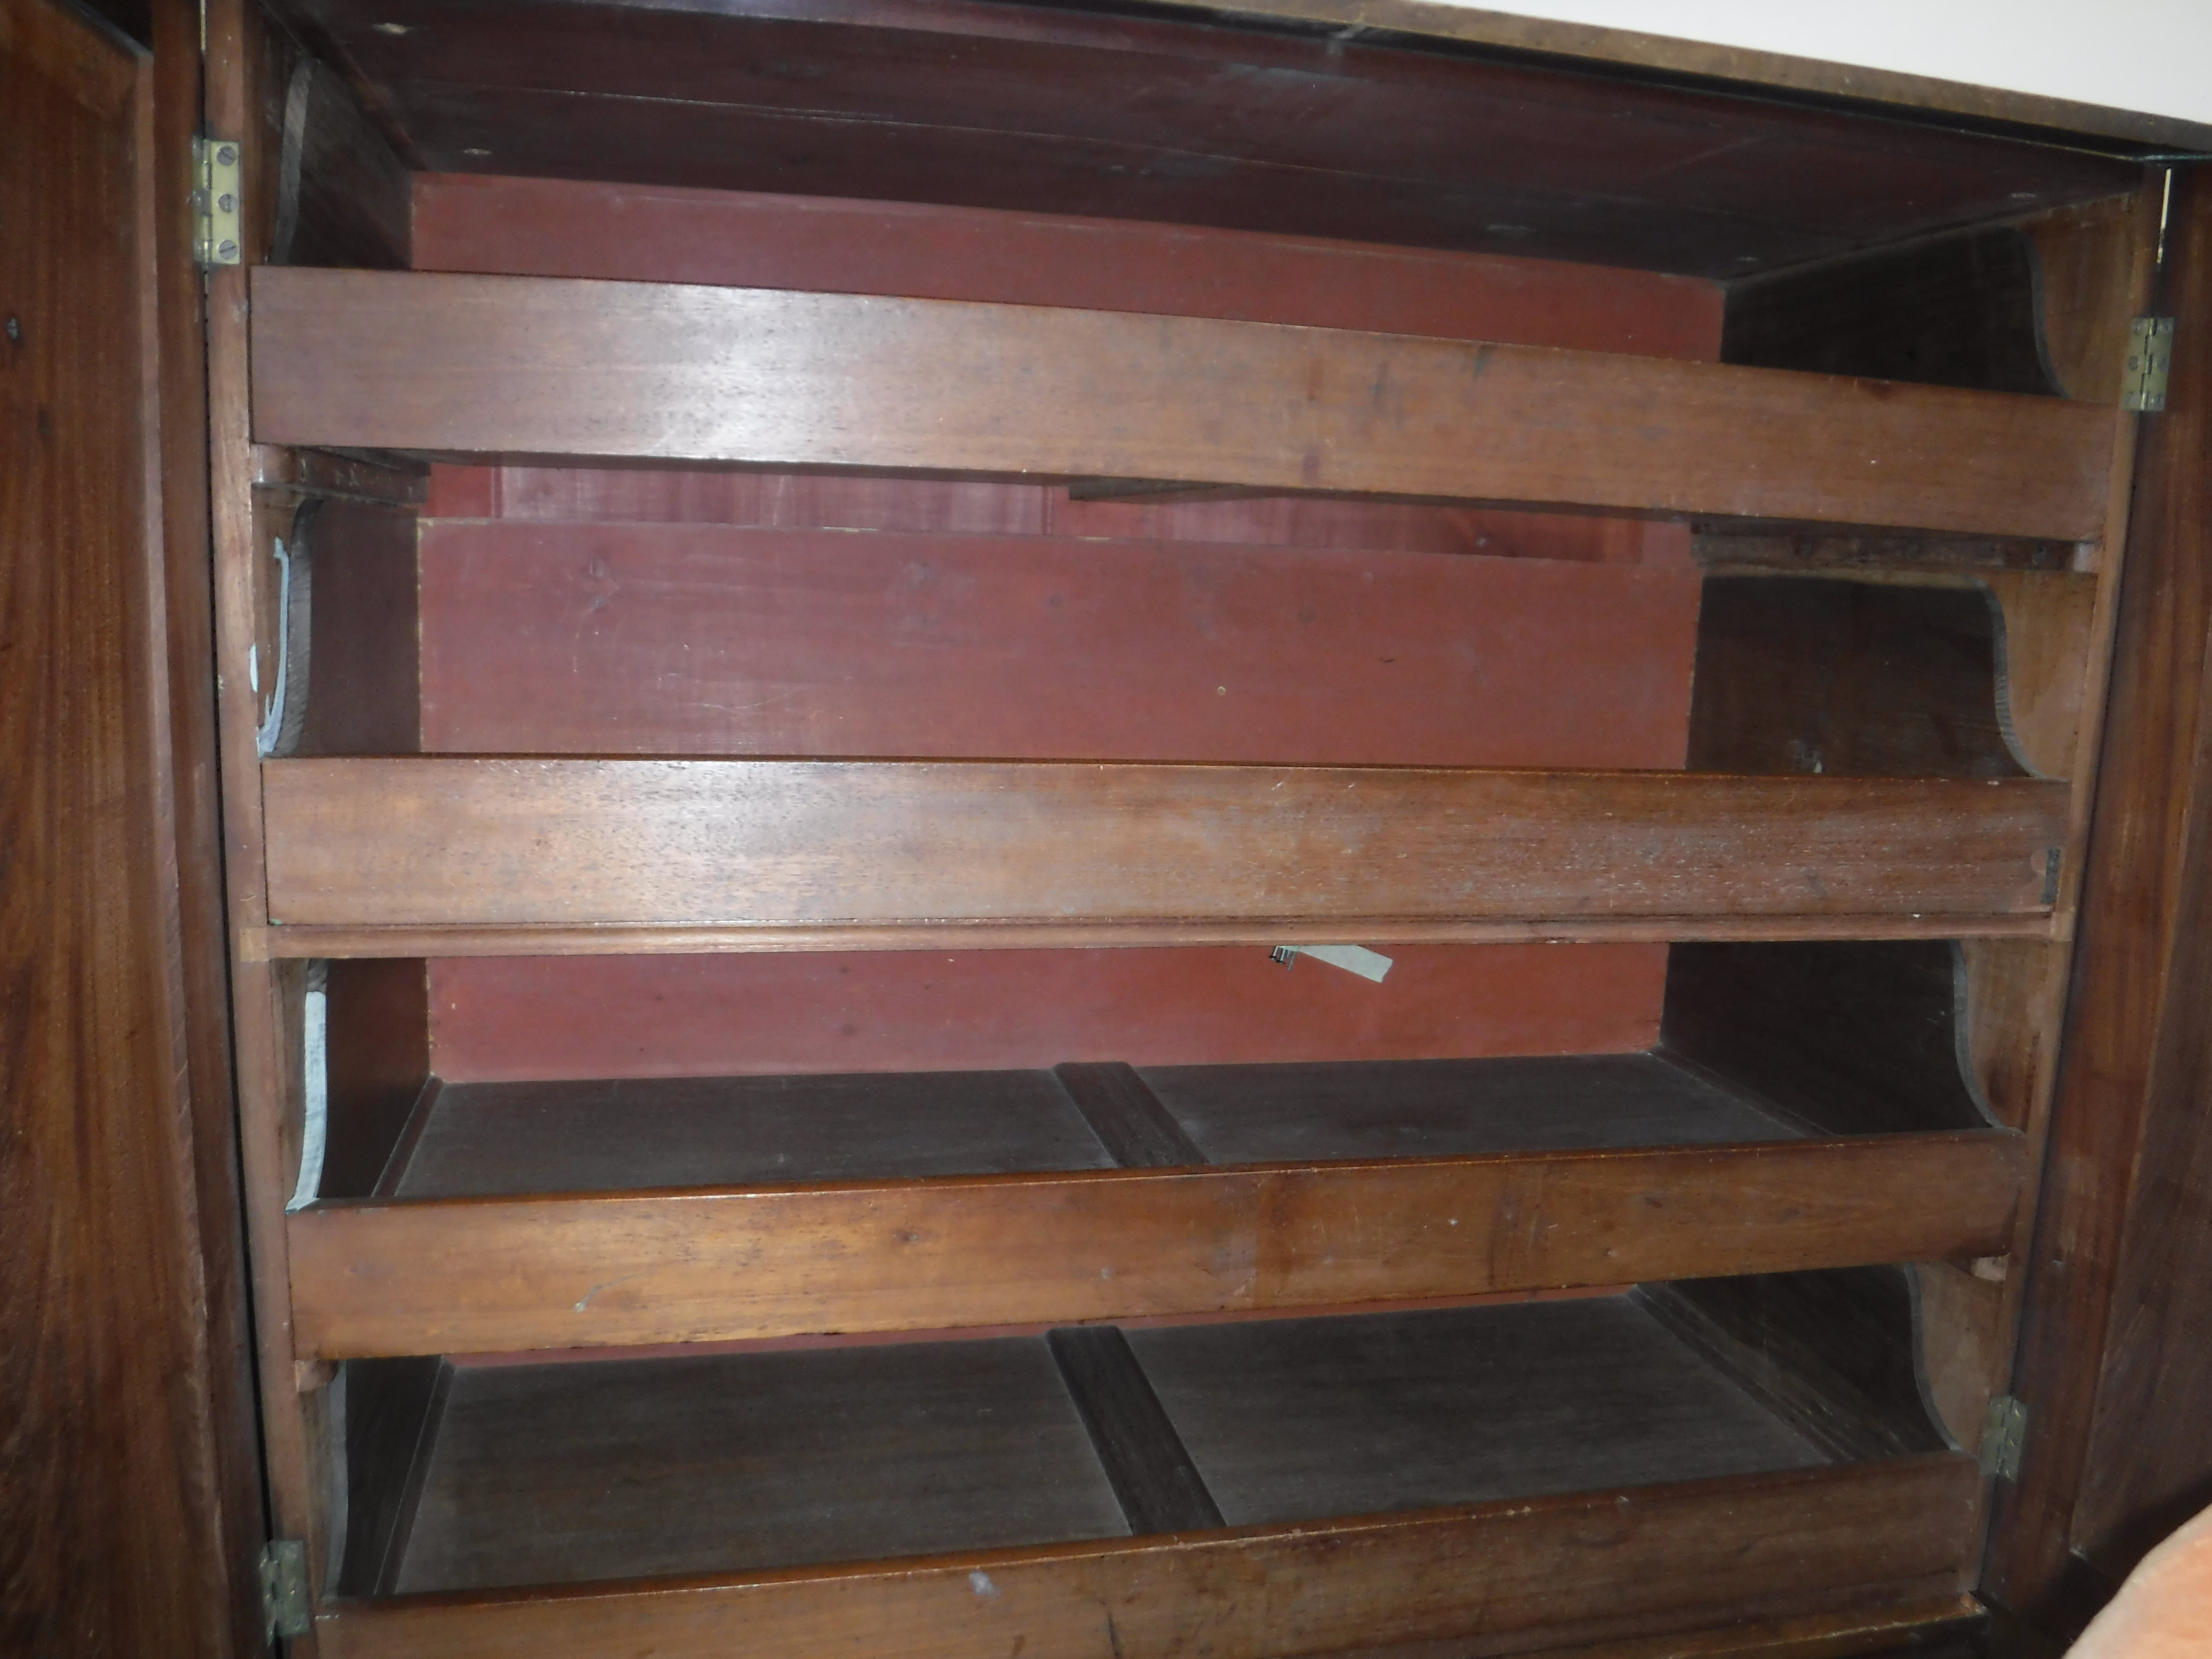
(545, 366)
(307, 940)
(1626, 1562)
(1835, 1353)
(2126, 1113)
(1835, 677)
(130, 1485)
(363, 690)
(2149, 1464)
(236, 53)
(388, 1278)
(1846, 1037)
(519, 843)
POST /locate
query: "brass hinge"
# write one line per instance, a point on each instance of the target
(2002, 1432)
(2150, 353)
(216, 201)
(284, 1608)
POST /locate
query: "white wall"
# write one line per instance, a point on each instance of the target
(2153, 55)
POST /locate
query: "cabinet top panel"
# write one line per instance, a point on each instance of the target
(1151, 114)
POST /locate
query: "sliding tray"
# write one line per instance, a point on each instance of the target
(528, 1215)
(1242, 1490)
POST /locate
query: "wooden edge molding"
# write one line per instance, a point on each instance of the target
(292, 943)
(1650, 1558)
(487, 1275)
(1888, 1628)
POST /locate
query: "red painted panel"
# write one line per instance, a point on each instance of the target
(802, 500)
(512, 1018)
(1311, 522)
(786, 501)
(568, 227)
(556, 631)
(462, 492)
(555, 227)
(566, 639)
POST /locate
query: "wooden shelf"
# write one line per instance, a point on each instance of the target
(520, 843)
(517, 366)
(949, 1498)
(577, 1214)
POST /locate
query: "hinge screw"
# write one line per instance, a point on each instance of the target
(228, 249)
(227, 155)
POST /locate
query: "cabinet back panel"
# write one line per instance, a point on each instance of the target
(975, 658)
(524, 1019)
(743, 239)
(567, 227)
(831, 501)
(545, 639)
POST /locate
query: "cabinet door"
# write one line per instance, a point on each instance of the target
(128, 1487)
(2119, 1295)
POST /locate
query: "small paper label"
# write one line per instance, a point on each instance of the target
(1352, 958)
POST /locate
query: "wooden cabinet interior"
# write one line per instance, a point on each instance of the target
(809, 687)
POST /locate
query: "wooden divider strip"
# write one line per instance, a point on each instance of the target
(1126, 1117)
(1158, 1487)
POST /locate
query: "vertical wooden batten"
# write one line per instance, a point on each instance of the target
(243, 61)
